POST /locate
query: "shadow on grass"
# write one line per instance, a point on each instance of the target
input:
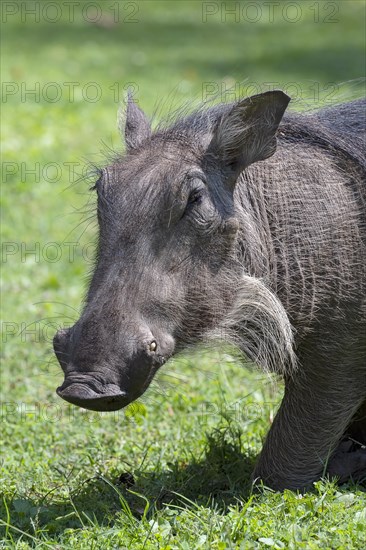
(217, 480)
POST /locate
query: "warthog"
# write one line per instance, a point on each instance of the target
(243, 223)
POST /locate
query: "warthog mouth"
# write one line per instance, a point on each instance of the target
(84, 396)
(90, 391)
(87, 392)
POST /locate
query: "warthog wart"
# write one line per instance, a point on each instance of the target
(245, 223)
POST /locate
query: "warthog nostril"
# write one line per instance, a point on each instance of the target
(153, 346)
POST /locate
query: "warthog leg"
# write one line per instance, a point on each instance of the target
(318, 405)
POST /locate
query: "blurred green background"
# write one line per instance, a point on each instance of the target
(63, 82)
(65, 69)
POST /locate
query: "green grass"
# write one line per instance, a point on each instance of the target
(173, 470)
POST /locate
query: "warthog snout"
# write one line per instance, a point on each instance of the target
(107, 380)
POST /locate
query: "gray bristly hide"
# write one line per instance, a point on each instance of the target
(241, 223)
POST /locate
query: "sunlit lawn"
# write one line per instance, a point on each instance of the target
(172, 471)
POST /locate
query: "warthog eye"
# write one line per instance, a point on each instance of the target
(195, 197)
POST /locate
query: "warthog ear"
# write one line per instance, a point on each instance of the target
(133, 124)
(247, 132)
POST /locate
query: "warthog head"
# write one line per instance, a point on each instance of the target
(168, 267)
